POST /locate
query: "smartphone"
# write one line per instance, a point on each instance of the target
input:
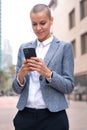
(29, 52)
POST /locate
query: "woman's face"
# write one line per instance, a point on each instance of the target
(41, 24)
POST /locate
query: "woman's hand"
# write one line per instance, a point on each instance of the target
(24, 70)
(37, 64)
(33, 64)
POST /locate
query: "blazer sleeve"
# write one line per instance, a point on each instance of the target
(65, 82)
(17, 87)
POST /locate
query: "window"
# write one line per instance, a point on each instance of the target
(83, 8)
(84, 43)
(72, 19)
(74, 47)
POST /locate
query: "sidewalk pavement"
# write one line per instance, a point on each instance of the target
(77, 113)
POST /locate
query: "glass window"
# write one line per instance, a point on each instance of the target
(84, 43)
(72, 19)
(74, 47)
(83, 8)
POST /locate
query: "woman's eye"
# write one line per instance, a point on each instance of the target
(43, 23)
(34, 24)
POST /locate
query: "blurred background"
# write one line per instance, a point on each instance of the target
(70, 24)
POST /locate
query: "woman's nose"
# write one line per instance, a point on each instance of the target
(38, 27)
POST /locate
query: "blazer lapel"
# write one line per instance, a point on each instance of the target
(53, 48)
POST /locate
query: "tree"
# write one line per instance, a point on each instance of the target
(6, 78)
(3, 80)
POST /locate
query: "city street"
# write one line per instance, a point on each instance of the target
(77, 113)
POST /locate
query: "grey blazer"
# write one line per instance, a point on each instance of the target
(59, 59)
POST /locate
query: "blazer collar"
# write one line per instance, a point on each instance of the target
(52, 49)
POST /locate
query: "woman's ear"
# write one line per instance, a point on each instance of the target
(51, 19)
(51, 23)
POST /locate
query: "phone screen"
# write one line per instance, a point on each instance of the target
(29, 52)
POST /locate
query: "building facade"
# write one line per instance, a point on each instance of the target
(70, 24)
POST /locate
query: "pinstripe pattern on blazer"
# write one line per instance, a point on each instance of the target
(59, 59)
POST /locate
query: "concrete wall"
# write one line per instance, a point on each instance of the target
(62, 31)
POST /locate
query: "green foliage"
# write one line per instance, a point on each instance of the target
(6, 78)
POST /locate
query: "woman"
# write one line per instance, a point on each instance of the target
(42, 81)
